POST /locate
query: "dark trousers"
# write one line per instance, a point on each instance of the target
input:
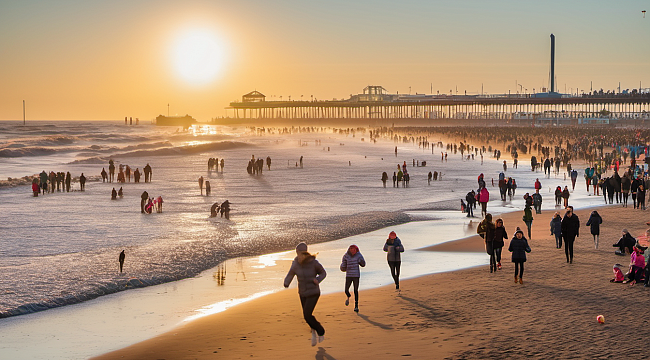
(394, 271)
(349, 281)
(519, 269)
(142, 202)
(497, 254)
(558, 241)
(568, 248)
(647, 275)
(470, 211)
(308, 305)
(634, 199)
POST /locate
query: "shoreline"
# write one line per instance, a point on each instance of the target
(195, 333)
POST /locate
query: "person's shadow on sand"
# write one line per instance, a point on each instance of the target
(383, 326)
(322, 355)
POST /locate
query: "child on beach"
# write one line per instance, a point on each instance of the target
(618, 274)
(519, 247)
(394, 247)
(497, 244)
(594, 222)
(310, 274)
(350, 265)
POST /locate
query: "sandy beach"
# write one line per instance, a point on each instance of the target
(464, 314)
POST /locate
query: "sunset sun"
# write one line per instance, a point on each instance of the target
(197, 56)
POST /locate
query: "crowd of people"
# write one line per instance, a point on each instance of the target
(125, 172)
(55, 182)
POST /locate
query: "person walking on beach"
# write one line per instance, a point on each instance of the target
(519, 247)
(384, 178)
(570, 230)
(111, 170)
(471, 199)
(565, 195)
(147, 173)
(498, 243)
(556, 229)
(394, 248)
(594, 222)
(485, 229)
(114, 194)
(310, 274)
(528, 219)
(143, 200)
(201, 184)
(121, 260)
(484, 197)
(82, 182)
(350, 265)
(104, 175)
(68, 180)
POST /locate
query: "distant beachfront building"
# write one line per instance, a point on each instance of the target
(184, 121)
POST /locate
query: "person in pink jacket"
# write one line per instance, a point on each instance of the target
(637, 264)
(484, 197)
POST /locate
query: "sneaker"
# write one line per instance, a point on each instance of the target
(347, 302)
(499, 266)
(321, 338)
(314, 337)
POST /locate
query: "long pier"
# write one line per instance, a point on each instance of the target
(506, 107)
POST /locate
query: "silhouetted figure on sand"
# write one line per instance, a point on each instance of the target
(82, 182)
(68, 180)
(114, 194)
(136, 175)
(120, 193)
(384, 178)
(111, 170)
(121, 260)
(201, 184)
(221, 165)
(35, 188)
(207, 188)
(225, 209)
(104, 175)
(128, 173)
(215, 209)
(268, 162)
(143, 200)
(147, 173)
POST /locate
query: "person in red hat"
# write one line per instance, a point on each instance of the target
(394, 248)
(350, 265)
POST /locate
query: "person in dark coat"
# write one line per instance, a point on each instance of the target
(625, 242)
(565, 195)
(558, 196)
(570, 230)
(143, 200)
(485, 229)
(626, 184)
(310, 274)
(114, 194)
(497, 244)
(68, 180)
(470, 203)
(519, 247)
(556, 229)
(121, 260)
(384, 178)
(594, 222)
(634, 187)
(393, 248)
(82, 182)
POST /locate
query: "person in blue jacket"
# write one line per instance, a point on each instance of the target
(394, 248)
(350, 265)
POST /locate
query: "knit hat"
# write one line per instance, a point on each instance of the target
(392, 235)
(625, 231)
(519, 231)
(302, 247)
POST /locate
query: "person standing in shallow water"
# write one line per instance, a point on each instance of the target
(82, 182)
(350, 265)
(121, 260)
(393, 247)
(310, 274)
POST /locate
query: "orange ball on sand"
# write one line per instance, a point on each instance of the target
(600, 319)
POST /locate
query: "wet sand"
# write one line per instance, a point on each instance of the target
(464, 314)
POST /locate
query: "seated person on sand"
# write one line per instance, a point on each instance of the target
(637, 266)
(625, 242)
(618, 274)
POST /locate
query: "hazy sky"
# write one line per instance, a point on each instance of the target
(92, 59)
